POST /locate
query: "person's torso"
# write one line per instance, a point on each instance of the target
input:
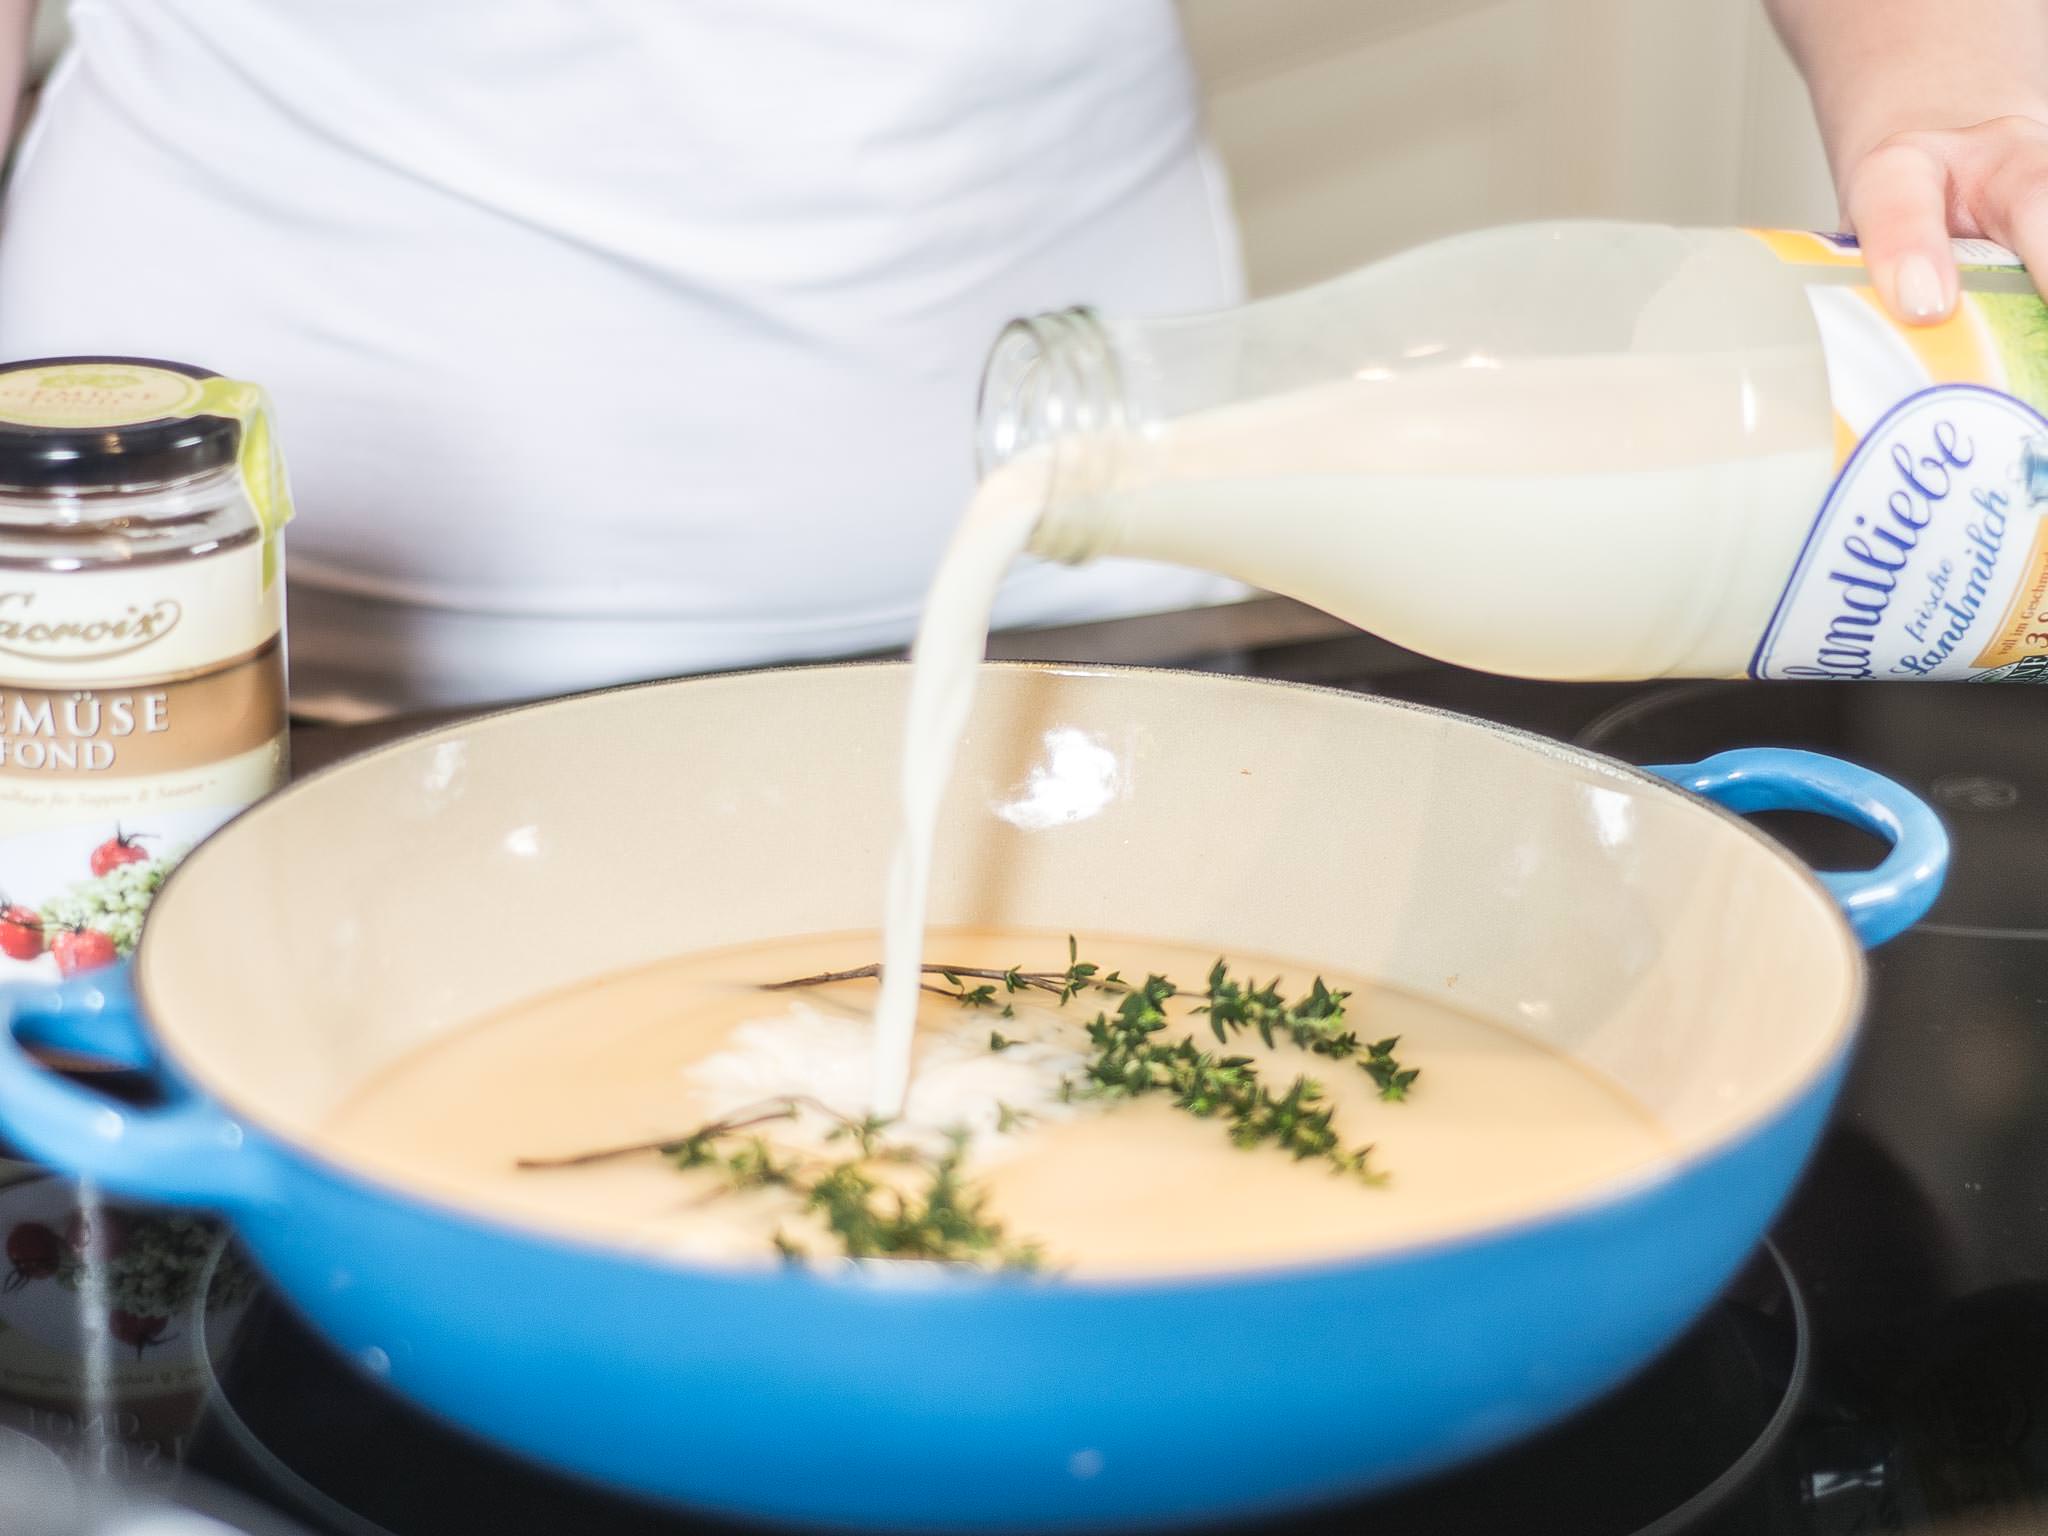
(617, 307)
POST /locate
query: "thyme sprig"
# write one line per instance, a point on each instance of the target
(941, 1215)
(1131, 1060)
(928, 1210)
(1315, 1022)
(1065, 985)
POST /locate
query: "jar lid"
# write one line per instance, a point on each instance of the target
(90, 423)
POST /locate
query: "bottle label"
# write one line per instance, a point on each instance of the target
(1929, 555)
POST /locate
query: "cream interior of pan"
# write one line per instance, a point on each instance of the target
(1675, 961)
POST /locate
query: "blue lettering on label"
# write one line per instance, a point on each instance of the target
(1915, 552)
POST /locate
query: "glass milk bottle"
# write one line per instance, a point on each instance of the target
(1579, 450)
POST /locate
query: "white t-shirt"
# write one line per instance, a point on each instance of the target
(613, 338)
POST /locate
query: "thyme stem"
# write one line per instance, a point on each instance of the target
(765, 1113)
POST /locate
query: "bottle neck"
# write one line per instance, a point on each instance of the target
(1054, 389)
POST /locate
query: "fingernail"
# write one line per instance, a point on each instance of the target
(1919, 289)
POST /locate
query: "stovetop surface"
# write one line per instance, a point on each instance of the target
(1881, 1366)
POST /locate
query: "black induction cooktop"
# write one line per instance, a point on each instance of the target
(1881, 1365)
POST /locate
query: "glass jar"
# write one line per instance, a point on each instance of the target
(142, 682)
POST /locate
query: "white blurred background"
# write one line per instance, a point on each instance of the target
(1357, 127)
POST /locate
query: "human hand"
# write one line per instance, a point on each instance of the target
(1910, 193)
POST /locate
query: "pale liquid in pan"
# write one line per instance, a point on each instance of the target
(1498, 1125)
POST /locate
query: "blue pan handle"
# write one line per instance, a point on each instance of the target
(183, 1151)
(1880, 903)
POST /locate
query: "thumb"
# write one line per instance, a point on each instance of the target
(1896, 200)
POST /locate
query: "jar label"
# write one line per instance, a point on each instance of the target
(140, 708)
(156, 619)
(95, 394)
(1929, 555)
(148, 729)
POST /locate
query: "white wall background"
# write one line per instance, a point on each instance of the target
(1356, 127)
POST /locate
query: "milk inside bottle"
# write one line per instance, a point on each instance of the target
(1580, 451)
